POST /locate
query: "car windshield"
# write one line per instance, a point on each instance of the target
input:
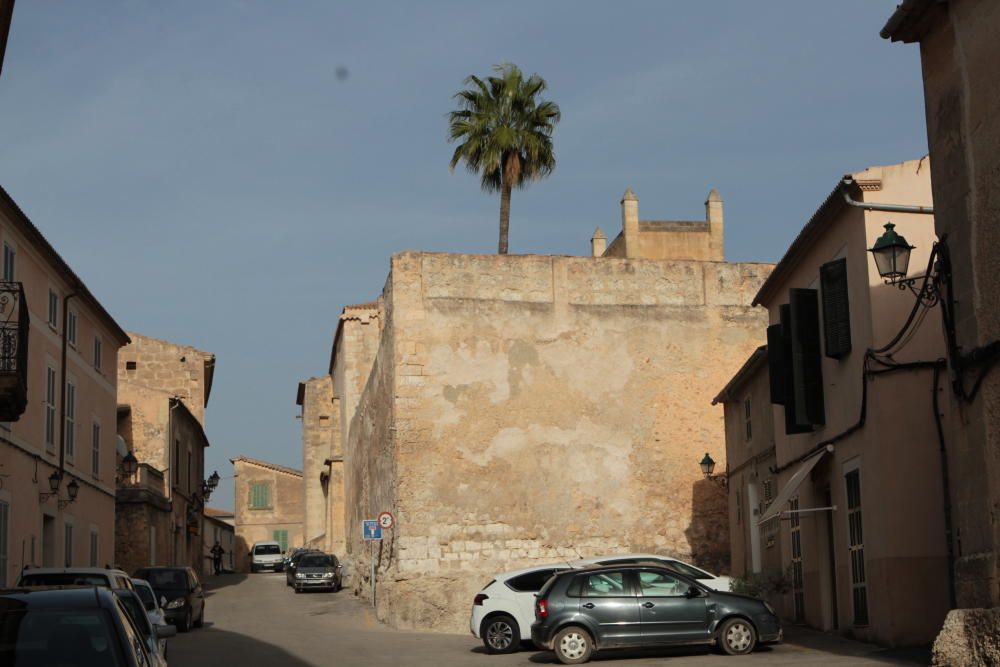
(686, 569)
(266, 550)
(316, 560)
(146, 595)
(166, 579)
(57, 637)
(63, 579)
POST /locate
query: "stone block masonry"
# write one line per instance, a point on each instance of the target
(530, 409)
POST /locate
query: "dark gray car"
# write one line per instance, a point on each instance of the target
(582, 611)
(318, 571)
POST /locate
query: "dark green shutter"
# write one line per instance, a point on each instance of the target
(792, 425)
(836, 309)
(807, 371)
(777, 370)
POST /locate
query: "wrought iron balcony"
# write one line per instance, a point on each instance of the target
(13, 351)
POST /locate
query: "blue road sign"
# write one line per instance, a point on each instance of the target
(370, 529)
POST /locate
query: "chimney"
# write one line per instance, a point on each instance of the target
(598, 243)
(630, 223)
(713, 215)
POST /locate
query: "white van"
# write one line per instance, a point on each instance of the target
(266, 556)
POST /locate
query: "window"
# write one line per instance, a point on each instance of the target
(53, 309)
(281, 537)
(856, 547)
(94, 553)
(50, 409)
(97, 352)
(9, 262)
(95, 449)
(130, 365)
(807, 367)
(603, 585)
(768, 492)
(739, 506)
(260, 496)
(746, 418)
(68, 544)
(71, 328)
(175, 474)
(190, 470)
(4, 528)
(152, 546)
(662, 585)
(531, 582)
(798, 595)
(70, 420)
(836, 308)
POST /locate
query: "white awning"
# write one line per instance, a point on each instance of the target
(775, 508)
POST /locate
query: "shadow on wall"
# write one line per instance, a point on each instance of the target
(708, 534)
(241, 558)
(219, 647)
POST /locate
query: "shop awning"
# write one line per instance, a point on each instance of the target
(794, 482)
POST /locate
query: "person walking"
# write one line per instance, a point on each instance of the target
(217, 552)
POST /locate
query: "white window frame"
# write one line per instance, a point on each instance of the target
(51, 396)
(9, 267)
(71, 320)
(95, 547)
(53, 309)
(70, 425)
(98, 353)
(95, 447)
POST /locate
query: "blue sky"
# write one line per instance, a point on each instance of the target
(212, 179)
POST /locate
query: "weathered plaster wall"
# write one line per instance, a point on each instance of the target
(178, 370)
(259, 524)
(319, 424)
(529, 409)
(962, 94)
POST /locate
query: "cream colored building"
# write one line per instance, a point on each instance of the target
(854, 499)
(513, 410)
(269, 506)
(58, 394)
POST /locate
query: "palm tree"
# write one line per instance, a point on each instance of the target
(505, 130)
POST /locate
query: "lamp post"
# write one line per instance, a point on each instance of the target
(708, 468)
(892, 258)
(72, 490)
(55, 479)
(210, 484)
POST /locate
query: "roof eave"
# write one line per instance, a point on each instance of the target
(911, 20)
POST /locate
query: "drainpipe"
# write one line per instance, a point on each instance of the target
(62, 400)
(871, 206)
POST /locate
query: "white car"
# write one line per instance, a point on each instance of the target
(74, 576)
(502, 613)
(266, 556)
(154, 608)
(705, 578)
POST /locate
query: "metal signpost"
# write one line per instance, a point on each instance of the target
(371, 530)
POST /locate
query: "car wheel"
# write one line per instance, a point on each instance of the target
(185, 623)
(298, 590)
(500, 634)
(737, 636)
(573, 645)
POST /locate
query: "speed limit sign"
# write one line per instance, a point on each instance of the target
(386, 520)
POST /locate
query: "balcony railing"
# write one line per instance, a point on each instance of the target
(13, 351)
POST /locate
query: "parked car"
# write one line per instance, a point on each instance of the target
(293, 564)
(154, 636)
(502, 613)
(68, 626)
(183, 591)
(603, 607)
(318, 570)
(74, 576)
(266, 556)
(716, 582)
(154, 606)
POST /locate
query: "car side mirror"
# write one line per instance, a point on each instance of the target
(163, 601)
(165, 631)
(692, 592)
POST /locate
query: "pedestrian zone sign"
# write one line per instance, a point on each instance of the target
(371, 530)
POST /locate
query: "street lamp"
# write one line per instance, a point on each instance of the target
(54, 480)
(72, 490)
(130, 464)
(892, 255)
(708, 468)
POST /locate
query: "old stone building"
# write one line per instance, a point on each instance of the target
(163, 392)
(269, 506)
(527, 409)
(959, 53)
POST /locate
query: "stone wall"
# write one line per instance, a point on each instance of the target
(144, 533)
(529, 409)
(320, 421)
(177, 370)
(284, 513)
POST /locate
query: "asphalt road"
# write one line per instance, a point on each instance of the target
(256, 621)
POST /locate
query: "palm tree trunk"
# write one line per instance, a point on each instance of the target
(504, 217)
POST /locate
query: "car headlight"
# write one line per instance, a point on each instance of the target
(770, 609)
(176, 603)
(328, 575)
(299, 575)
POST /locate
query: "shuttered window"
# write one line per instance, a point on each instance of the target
(807, 371)
(281, 537)
(260, 496)
(783, 367)
(778, 372)
(836, 309)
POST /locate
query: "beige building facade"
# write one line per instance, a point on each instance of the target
(516, 410)
(58, 392)
(164, 389)
(855, 498)
(269, 506)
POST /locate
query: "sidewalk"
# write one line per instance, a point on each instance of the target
(827, 642)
